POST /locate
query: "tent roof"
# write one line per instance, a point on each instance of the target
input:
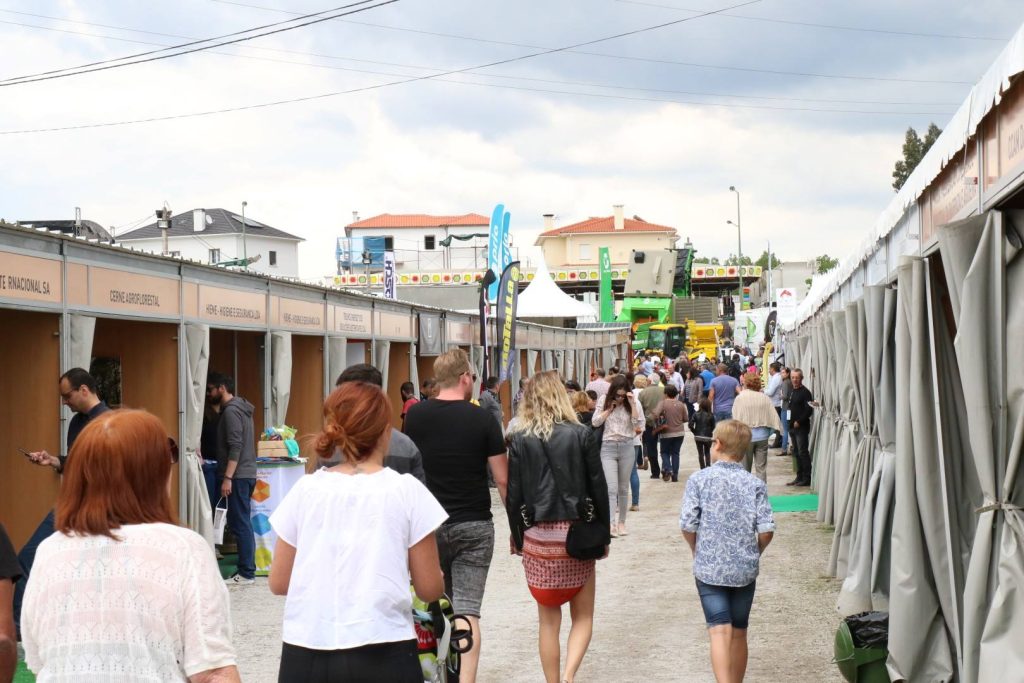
(543, 299)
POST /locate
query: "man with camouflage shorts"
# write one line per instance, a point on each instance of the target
(459, 441)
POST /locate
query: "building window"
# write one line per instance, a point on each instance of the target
(429, 242)
(586, 252)
(273, 258)
(215, 256)
(389, 244)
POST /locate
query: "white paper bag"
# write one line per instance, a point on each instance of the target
(220, 520)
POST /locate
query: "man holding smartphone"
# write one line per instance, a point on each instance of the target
(78, 392)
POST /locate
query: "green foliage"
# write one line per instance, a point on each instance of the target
(713, 261)
(733, 261)
(825, 263)
(762, 261)
(914, 149)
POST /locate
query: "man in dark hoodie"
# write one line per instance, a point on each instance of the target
(236, 469)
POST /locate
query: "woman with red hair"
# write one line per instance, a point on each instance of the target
(121, 592)
(348, 538)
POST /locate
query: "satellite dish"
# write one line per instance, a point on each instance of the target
(209, 219)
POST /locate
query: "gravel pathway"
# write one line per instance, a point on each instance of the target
(648, 621)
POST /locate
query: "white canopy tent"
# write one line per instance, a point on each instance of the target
(543, 299)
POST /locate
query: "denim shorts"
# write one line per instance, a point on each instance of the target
(465, 550)
(725, 605)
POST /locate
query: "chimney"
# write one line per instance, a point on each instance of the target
(198, 220)
(355, 216)
(549, 221)
(620, 221)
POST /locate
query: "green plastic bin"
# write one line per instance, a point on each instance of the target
(859, 664)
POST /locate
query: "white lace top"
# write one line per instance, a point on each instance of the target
(150, 607)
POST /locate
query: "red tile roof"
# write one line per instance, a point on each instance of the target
(607, 224)
(419, 220)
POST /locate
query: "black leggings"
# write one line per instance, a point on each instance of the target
(398, 662)
(704, 453)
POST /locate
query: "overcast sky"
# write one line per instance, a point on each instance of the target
(663, 121)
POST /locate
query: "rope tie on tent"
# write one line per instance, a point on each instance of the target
(1003, 505)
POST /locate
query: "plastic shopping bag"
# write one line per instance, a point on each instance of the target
(220, 520)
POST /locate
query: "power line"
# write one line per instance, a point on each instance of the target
(606, 55)
(154, 55)
(440, 76)
(911, 34)
(264, 105)
(484, 75)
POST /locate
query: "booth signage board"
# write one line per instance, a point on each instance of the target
(391, 325)
(118, 290)
(955, 189)
(1011, 131)
(219, 304)
(298, 314)
(353, 321)
(30, 278)
(536, 338)
(460, 332)
(273, 482)
(522, 336)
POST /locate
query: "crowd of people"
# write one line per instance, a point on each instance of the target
(111, 587)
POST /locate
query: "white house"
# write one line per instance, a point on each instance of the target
(216, 236)
(419, 243)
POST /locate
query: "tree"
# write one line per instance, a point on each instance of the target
(762, 261)
(733, 261)
(704, 259)
(914, 149)
(825, 263)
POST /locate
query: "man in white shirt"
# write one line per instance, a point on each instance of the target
(774, 391)
(599, 384)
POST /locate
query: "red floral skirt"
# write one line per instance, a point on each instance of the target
(553, 576)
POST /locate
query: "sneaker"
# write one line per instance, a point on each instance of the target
(634, 508)
(239, 580)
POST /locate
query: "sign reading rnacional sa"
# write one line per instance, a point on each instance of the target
(393, 325)
(30, 278)
(118, 290)
(232, 305)
(295, 313)
(353, 321)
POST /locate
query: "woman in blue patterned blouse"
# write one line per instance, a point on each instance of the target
(727, 520)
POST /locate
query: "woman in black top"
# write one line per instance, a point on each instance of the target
(554, 464)
(702, 425)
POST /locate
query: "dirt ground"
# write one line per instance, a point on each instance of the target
(648, 624)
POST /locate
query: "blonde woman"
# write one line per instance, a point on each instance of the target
(554, 465)
(755, 410)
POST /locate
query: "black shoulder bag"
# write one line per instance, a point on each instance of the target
(588, 536)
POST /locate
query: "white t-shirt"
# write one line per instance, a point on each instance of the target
(150, 607)
(352, 533)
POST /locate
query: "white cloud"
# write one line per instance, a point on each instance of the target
(811, 182)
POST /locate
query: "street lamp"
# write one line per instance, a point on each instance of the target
(739, 244)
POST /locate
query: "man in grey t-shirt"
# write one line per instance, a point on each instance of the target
(236, 469)
(403, 456)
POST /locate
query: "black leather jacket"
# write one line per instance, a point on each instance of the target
(576, 452)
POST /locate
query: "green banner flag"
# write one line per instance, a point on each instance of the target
(607, 301)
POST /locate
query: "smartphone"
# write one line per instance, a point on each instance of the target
(25, 453)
